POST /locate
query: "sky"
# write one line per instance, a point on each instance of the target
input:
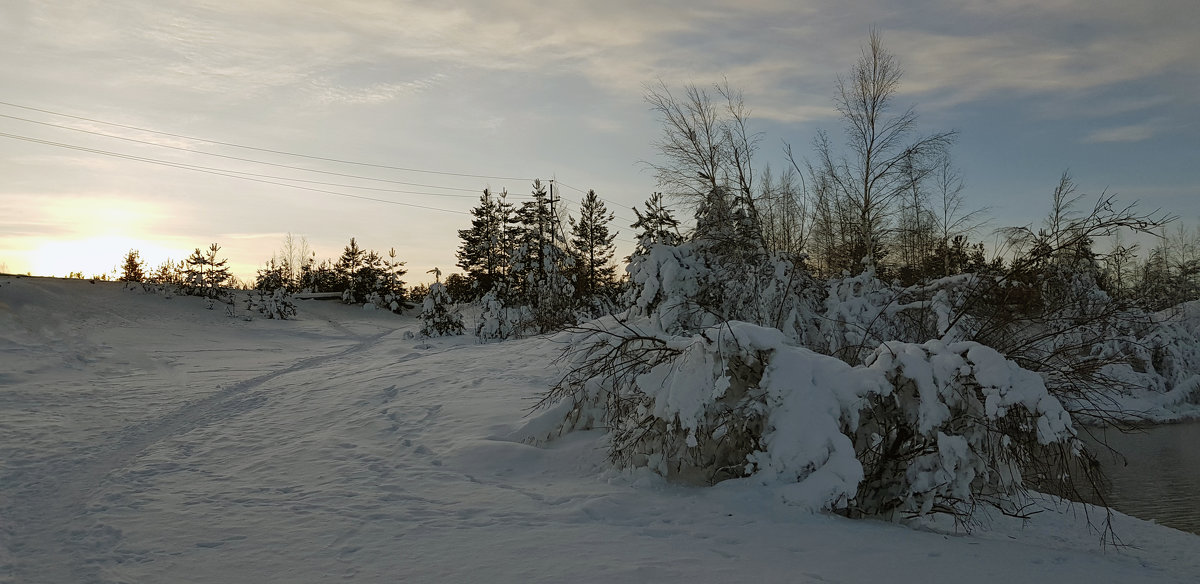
(166, 126)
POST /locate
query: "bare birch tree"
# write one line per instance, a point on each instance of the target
(882, 162)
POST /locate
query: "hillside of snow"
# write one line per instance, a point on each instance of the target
(149, 439)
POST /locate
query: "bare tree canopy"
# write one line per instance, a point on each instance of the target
(882, 161)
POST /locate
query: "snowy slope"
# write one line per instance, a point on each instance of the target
(145, 439)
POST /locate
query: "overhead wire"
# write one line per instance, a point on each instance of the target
(259, 149)
(257, 177)
(238, 158)
(581, 191)
(217, 172)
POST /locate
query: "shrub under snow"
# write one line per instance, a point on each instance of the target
(439, 317)
(688, 287)
(919, 428)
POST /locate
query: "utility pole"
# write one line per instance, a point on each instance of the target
(553, 217)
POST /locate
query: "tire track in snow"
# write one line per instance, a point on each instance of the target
(43, 520)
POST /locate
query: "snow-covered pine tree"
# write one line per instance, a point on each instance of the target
(539, 268)
(168, 273)
(485, 248)
(529, 238)
(389, 288)
(591, 246)
(439, 316)
(205, 274)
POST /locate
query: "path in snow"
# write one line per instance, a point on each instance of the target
(46, 502)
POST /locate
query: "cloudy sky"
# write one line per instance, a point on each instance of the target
(104, 104)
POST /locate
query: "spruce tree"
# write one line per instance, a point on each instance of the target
(592, 248)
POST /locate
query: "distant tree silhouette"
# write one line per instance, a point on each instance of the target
(132, 271)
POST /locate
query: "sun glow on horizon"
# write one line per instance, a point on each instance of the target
(94, 256)
(94, 235)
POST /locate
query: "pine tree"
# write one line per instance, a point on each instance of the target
(531, 237)
(132, 270)
(485, 248)
(168, 273)
(656, 225)
(205, 274)
(347, 268)
(389, 288)
(539, 269)
(592, 248)
(320, 277)
(271, 277)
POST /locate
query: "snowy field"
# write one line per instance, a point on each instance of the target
(146, 439)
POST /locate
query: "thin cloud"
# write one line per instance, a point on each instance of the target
(1129, 133)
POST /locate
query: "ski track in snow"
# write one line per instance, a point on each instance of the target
(44, 514)
(185, 447)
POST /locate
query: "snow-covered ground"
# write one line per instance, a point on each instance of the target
(145, 439)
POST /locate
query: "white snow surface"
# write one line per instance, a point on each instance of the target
(145, 439)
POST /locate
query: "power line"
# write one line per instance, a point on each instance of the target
(238, 158)
(263, 178)
(218, 172)
(258, 149)
(598, 197)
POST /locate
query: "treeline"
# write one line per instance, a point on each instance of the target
(359, 275)
(550, 273)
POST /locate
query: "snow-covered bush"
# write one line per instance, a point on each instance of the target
(498, 321)
(439, 316)
(689, 287)
(960, 424)
(1174, 350)
(275, 304)
(272, 304)
(918, 428)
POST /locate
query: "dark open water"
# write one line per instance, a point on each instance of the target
(1160, 478)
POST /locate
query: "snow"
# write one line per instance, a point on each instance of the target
(145, 439)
